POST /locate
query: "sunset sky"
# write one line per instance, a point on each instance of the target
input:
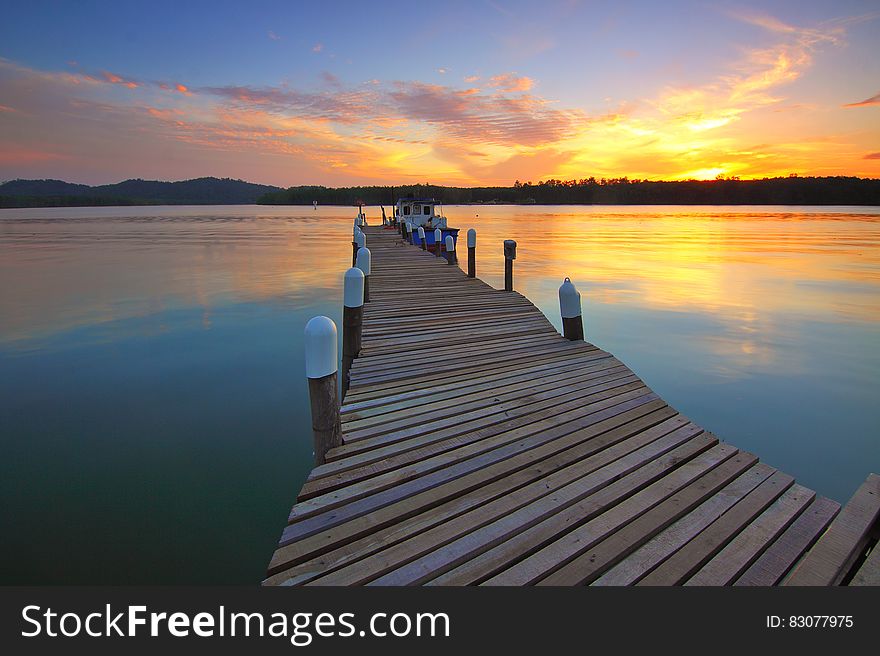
(465, 93)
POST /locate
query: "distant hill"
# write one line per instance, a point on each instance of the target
(201, 191)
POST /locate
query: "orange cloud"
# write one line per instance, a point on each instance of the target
(112, 78)
(511, 82)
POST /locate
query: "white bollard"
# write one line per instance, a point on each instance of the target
(364, 262)
(422, 241)
(438, 242)
(570, 309)
(360, 241)
(472, 253)
(352, 321)
(450, 249)
(321, 370)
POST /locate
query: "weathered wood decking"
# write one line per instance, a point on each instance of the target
(481, 447)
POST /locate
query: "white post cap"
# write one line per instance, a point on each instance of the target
(321, 347)
(569, 300)
(450, 243)
(363, 260)
(360, 239)
(353, 288)
(438, 235)
(421, 232)
(472, 238)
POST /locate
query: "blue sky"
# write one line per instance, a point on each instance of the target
(406, 88)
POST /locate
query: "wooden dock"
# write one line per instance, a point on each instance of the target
(481, 447)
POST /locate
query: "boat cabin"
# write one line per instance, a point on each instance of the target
(420, 212)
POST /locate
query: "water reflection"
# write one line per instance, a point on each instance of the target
(151, 359)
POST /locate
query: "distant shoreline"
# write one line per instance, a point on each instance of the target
(786, 191)
(310, 206)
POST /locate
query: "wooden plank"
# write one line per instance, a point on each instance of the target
(462, 395)
(778, 559)
(869, 572)
(393, 455)
(517, 559)
(692, 556)
(568, 486)
(587, 567)
(616, 421)
(387, 487)
(831, 558)
(432, 455)
(751, 542)
(550, 466)
(659, 548)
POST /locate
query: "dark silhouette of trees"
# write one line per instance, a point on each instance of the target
(791, 190)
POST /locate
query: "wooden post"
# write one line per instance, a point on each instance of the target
(472, 253)
(509, 257)
(354, 244)
(321, 370)
(450, 249)
(570, 309)
(360, 241)
(438, 242)
(422, 241)
(352, 321)
(364, 263)
(409, 231)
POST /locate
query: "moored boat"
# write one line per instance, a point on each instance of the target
(423, 213)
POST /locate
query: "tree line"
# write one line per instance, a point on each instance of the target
(791, 190)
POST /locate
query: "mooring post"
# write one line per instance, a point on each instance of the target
(360, 241)
(422, 241)
(509, 257)
(354, 244)
(321, 370)
(450, 249)
(352, 321)
(438, 242)
(472, 253)
(570, 309)
(364, 262)
(409, 231)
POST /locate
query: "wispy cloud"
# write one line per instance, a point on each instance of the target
(273, 36)
(112, 78)
(872, 156)
(867, 102)
(318, 47)
(511, 82)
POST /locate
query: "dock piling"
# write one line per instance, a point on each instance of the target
(321, 370)
(509, 257)
(409, 231)
(364, 262)
(352, 320)
(450, 249)
(360, 241)
(570, 309)
(438, 242)
(472, 253)
(422, 241)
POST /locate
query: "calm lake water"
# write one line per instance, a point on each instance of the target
(153, 406)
